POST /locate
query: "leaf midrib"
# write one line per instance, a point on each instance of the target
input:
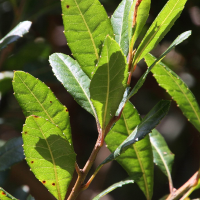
(155, 33)
(37, 100)
(183, 93)
(140, 163)
(91, 37)
(54, 164)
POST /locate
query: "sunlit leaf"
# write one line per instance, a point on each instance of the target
(177, 41)
(109, 81)
(163, 157)
(86, 25)
(11, 153)
(148, 123)
(49, 155)
(138, 158)
(113, 187)
(119, 23)
(141, 18)
(179, 91)
(77, 83)
(35, 98)
(16, 33)
(5, 195)
(160, 27)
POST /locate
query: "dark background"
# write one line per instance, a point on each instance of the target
(31, 54)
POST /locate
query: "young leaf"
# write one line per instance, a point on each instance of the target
(5, 195)
(161, 25)
(163, 157)
(179, 91)
(11, 153)
(113, 187)
(35, 98)
(77, 83)
(21, 29)
(48, 154)
(141, 18)
(138, 158)
(148, 123)
(119, 23)
(177, 41)
(109, 81)
(86, 25)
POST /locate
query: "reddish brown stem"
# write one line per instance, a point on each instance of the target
(184, 188)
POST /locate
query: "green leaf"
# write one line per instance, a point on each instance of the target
(148, 123)
(11, 153)
(113, 187)
(109, 81)
(48, 154)
(163, 157)
(86, 25)
(5, 81)
(142, 15)
(179, 91)
(77, 83)
(5, 195)
(159, 28)
(16, 33)
(119, 23)
(138, 158)
(35, 98)
(177, 41)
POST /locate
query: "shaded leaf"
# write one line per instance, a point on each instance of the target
(113, 187)
(159, 28)
(48, 154)
(5, 195)
(163, 157)
(138, 158)
(35, 98)
(142, 15)
(5, 81)
(30, 197)
(119, 23)
(148, 123)
(179, 91)
(86, 25)
(11, 153)
(109, 81)
(16, 33)
(177, 41)
(77, 83)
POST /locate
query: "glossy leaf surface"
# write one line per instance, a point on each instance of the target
(119, 23)
(141, 18)
(86, 25)
(138, 158)
(113, 187)
(35, 98)
(5, 195)
(141, 81)
(77, 83)
(163, 157)
(11, 153)
(179, 91)
(109, 81)
(148, 123)
(49, 155)
(161, 25)
(16, 33)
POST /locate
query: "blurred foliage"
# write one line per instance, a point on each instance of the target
(31, 54)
